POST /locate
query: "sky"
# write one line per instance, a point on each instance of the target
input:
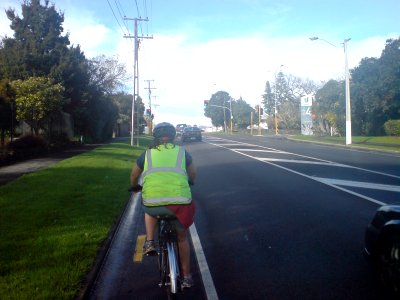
(194, 48)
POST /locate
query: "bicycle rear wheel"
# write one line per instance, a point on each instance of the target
(163, 267)
(173, 261)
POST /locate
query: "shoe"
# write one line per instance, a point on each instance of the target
(187, 282)
(149, 248)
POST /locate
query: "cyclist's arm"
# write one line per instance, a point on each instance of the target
(191, 171)
(135, 175)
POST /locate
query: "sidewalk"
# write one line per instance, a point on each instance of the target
(11, 172)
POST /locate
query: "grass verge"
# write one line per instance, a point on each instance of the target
(373, 142)
(53, 222)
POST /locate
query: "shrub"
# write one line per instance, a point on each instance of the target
(392, 127)
(27, 146)
(59, 141)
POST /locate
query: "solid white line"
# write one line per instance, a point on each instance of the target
(362, 184)
(208, 282)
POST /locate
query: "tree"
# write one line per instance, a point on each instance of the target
(376, 90)
(107, 74)
(7, 117)
(37, 44)
(124, 104)
(329, 107)
(37, 100)
(268, 100)
(139, 113)
(72, 71)
(100, 112)
(216, 111)
(285, 95)
(241, 111)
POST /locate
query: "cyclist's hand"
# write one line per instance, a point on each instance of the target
(135, 189)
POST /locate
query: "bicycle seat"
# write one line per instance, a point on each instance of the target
(166, 217)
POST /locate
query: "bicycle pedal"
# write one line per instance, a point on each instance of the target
(151, 253)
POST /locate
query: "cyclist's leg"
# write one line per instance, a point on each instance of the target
(150, 219)
(184, 251)
(150, 224)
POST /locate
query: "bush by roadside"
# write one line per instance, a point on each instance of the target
(392, 127)
(31, 146)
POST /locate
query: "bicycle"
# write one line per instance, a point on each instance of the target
(168, 253)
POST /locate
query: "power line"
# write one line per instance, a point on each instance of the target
(139, 16)
(137, 9)
(122, 15)
(115, 17)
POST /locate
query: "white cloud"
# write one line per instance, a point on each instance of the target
(91, 37)
(5, 29)
(185, 74)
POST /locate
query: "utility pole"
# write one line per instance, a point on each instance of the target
(347, 90)
(150, 118)
(259, 119)
(136, 76)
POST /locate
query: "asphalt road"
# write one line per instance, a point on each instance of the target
(276, 220)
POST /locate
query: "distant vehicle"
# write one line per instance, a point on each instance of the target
(191, 133)
(180, 127)
(382, 246)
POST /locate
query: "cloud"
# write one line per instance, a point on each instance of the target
(91, 37)
(5, 29)
(187, 73)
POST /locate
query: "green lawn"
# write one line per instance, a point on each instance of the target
(53, 222)
(374, 142)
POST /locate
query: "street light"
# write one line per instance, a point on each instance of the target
(347, 80)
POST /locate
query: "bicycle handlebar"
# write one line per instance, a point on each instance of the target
(135, 189)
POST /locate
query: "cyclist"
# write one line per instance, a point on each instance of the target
(165, 171)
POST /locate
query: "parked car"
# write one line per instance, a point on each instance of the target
(382, 246)
(191, 133)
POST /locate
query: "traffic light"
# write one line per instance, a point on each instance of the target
(206, 103)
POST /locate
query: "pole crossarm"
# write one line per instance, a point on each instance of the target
(220, 107)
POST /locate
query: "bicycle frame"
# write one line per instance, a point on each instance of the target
(168, 254)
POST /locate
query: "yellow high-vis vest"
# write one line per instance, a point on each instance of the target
(165, 180)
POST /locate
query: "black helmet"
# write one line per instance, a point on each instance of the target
(164, 131)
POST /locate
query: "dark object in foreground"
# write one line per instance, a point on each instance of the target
(382, 246)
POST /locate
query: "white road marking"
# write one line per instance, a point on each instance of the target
(259, 150)
(208, 282)
(315, 178)
(296, 161)
(361, 184)
(309, 157)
